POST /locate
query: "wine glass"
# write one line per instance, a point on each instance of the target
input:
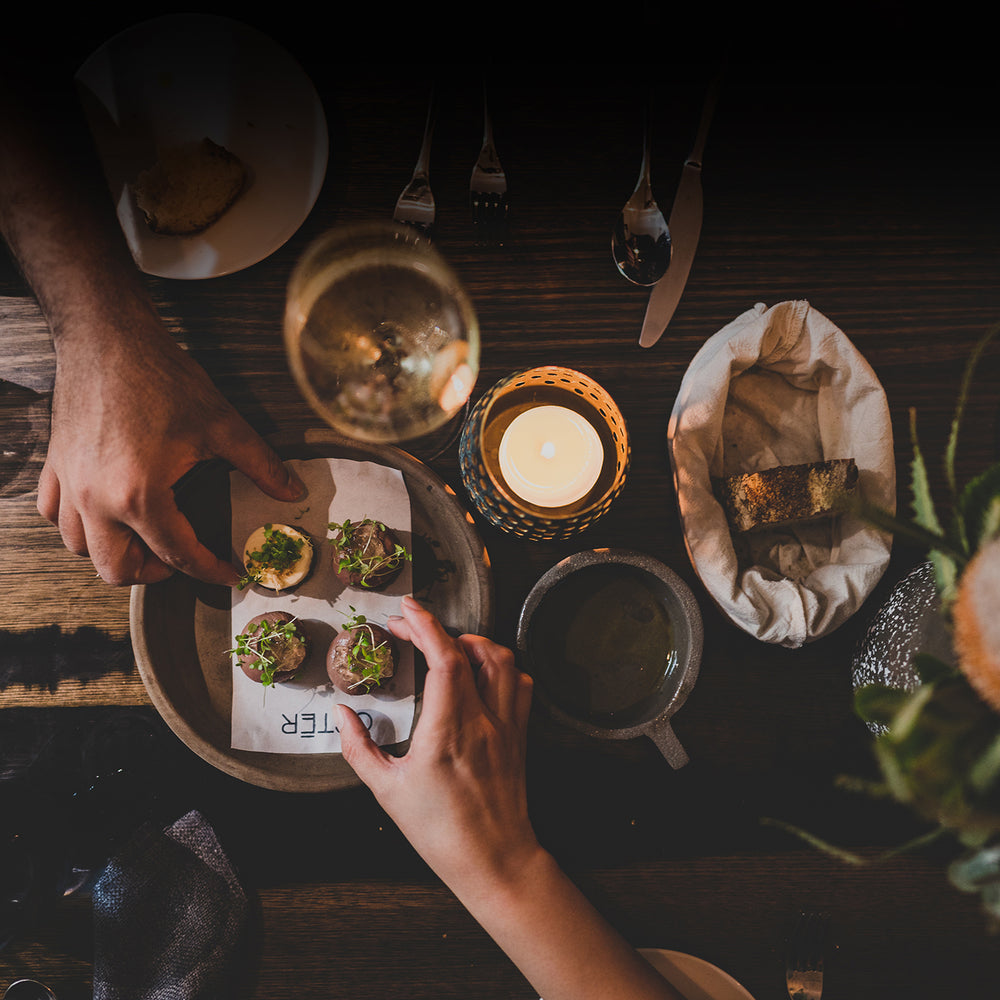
(381, 337)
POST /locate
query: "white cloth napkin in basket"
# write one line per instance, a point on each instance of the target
(782, 386)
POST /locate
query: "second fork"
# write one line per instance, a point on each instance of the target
(804, 958)
(488, 189)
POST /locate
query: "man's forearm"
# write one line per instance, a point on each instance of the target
(57, 217)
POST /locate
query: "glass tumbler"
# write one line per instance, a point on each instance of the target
(380, 335)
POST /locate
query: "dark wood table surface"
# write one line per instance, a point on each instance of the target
(873, 196)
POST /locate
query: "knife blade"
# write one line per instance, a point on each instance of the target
(685, 229)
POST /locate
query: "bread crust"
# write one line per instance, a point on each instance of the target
(190, 187)
(787, 494)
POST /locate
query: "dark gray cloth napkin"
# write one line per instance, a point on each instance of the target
(170, 917)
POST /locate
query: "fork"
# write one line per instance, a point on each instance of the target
(415, 206)
(488, 189)
(804, 958)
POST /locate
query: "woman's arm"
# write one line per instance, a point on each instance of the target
(459, 796)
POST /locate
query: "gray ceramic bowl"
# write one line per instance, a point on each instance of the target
(613, 640)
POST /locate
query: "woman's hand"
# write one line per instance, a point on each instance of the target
(459, 797)
(459, 794)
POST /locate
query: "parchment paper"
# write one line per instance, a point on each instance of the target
(298, 716)
(781, 386)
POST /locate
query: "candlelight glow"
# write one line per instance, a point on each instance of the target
(457, 388)
(551, 456)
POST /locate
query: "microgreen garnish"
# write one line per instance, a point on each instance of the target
(265, 641)
(279, 551)
(368, 657)
(359, 552)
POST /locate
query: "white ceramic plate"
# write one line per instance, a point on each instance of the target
(181, 77)
(693, 977)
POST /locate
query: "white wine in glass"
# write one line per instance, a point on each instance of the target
(381, 337)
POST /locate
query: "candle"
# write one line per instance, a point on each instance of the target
(544, 453)
(551, 456)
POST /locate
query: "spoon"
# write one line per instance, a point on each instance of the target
(640, 243)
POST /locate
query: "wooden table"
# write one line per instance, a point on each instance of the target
(873, 196)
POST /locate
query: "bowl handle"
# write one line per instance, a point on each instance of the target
(662, 734)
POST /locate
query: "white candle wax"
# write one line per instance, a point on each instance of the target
(551, 456)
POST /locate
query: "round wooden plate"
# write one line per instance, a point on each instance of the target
(181, 630)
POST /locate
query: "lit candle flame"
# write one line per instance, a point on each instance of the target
(551, 456)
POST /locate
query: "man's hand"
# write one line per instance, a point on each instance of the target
(131, 412)
(127, 423)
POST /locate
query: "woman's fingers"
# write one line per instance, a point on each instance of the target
(428, 635)
(499, 681)
(449, 686)
(464, 676)
(369, 762)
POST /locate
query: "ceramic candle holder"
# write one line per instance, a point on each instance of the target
(493, 414)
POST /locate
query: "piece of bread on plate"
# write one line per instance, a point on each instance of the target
(189, 187)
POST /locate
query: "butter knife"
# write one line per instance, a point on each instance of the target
(685, 228)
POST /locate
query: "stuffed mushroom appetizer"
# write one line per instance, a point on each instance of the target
(361, 657)
(367, 554)
(271, 648)
(278, 557)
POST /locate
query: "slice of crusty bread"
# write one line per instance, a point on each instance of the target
(788, 493)
(189, 187)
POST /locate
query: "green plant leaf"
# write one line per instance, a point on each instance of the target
(851, 857)
(892, 771)
(878, 703)
(908, 715)
(979, 507)
(990, 522)
(930, 669)
(925, 513)
(915, 533)
(963, 395)
(985, 771)
(951, 552)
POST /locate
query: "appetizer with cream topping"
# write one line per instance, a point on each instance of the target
(278, 557)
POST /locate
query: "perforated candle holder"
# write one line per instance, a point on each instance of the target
(479, 449)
